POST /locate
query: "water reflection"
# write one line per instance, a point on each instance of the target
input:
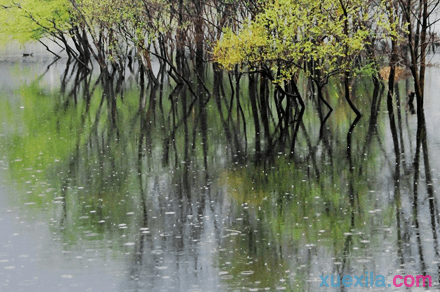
(143, 186)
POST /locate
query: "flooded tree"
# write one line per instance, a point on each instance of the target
(419, 17)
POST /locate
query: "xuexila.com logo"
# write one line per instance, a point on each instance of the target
(369, 280)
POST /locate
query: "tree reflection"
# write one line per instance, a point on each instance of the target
(215, 179)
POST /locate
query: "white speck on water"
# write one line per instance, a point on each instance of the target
(232, 230)
(67, 276)
(363, 260)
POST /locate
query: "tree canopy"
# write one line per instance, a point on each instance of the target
(288, 34)
(28, 20)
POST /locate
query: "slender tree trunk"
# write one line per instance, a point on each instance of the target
(253, 99)
(347, 94)
(264, 108)
(416, 37)
(423, 44)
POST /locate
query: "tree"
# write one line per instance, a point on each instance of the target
(319, 38)
(418, 17)
(33, 20)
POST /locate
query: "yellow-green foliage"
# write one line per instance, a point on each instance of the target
(107, 13)
(287, 33)
(135, 22)
(27, 20)
(251, 44)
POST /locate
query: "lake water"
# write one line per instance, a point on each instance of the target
(104, 190)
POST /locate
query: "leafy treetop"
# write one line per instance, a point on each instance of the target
(27, 20)
(289, 33)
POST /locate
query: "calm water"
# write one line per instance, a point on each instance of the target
(105, 191)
